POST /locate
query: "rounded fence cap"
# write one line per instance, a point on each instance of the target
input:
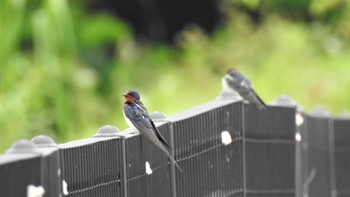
(22, 147)
(229, 94)
(284, 100)
(319, 111)
(344, 115)
(43, 141)
(158, 116)
(107, 131)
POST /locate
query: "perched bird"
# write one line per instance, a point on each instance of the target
(136, 115)
(227, 92)
(242, 85)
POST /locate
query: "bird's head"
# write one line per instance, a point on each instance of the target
(131, 95)
(232, 71)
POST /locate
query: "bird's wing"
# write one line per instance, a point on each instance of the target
(249, 93)
(143, 123)
(132, 112)
(159, 135)
(244, 87)
(140, 105)
(238, 84)
(230, 81)
(145, 128)
(141, 110)
(254, 98)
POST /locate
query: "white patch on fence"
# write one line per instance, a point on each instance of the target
(64, 187)
(148, 168)
(226, 138)
(297, 137)
(35, 191)
(299, 120)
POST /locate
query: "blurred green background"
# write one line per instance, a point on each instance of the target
(58, 79)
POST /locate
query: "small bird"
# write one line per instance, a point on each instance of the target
(136, 115)
(242, 85)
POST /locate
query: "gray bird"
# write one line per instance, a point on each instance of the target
(242, 85)
(136, 115)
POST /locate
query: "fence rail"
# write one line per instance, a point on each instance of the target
(225, 148)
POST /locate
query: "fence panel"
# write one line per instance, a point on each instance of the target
(51, 171)
(320, 159)
(203, 156)
(154, 183)
(231, 169)
(303, 174)
(92, 167)
(19, 171)
(270, 151)
(342, 156)
(225, 148)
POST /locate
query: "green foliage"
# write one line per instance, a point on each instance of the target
(63, 70)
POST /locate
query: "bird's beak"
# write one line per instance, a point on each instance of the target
(126, 95)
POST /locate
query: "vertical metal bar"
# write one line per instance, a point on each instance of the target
(172, 165)
(42, 172)
(143, 157)
(332, 158)
(123, 178)
(298, 169)
(244, 151)
(299, 160)
(305, 157)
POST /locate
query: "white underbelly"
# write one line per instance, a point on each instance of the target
(128, 122)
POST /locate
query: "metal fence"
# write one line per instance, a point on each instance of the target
(225, 148)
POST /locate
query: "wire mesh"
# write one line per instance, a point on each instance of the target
(155, 182)
(320, 156)
(225, 149)
(17, 175)
(51, 174)
(270, 151)
(210, 168)
(342, 156)
(92, 169)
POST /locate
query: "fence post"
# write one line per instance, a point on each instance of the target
(172, 165)
(160, 117)
(332, 157)
(286, 101)
(320, 128)
(51, 165)
(244, 152)
(322, 113)
(123, 174)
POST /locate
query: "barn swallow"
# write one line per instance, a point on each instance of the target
(136, 115)
(227, 92)
(242, 85)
